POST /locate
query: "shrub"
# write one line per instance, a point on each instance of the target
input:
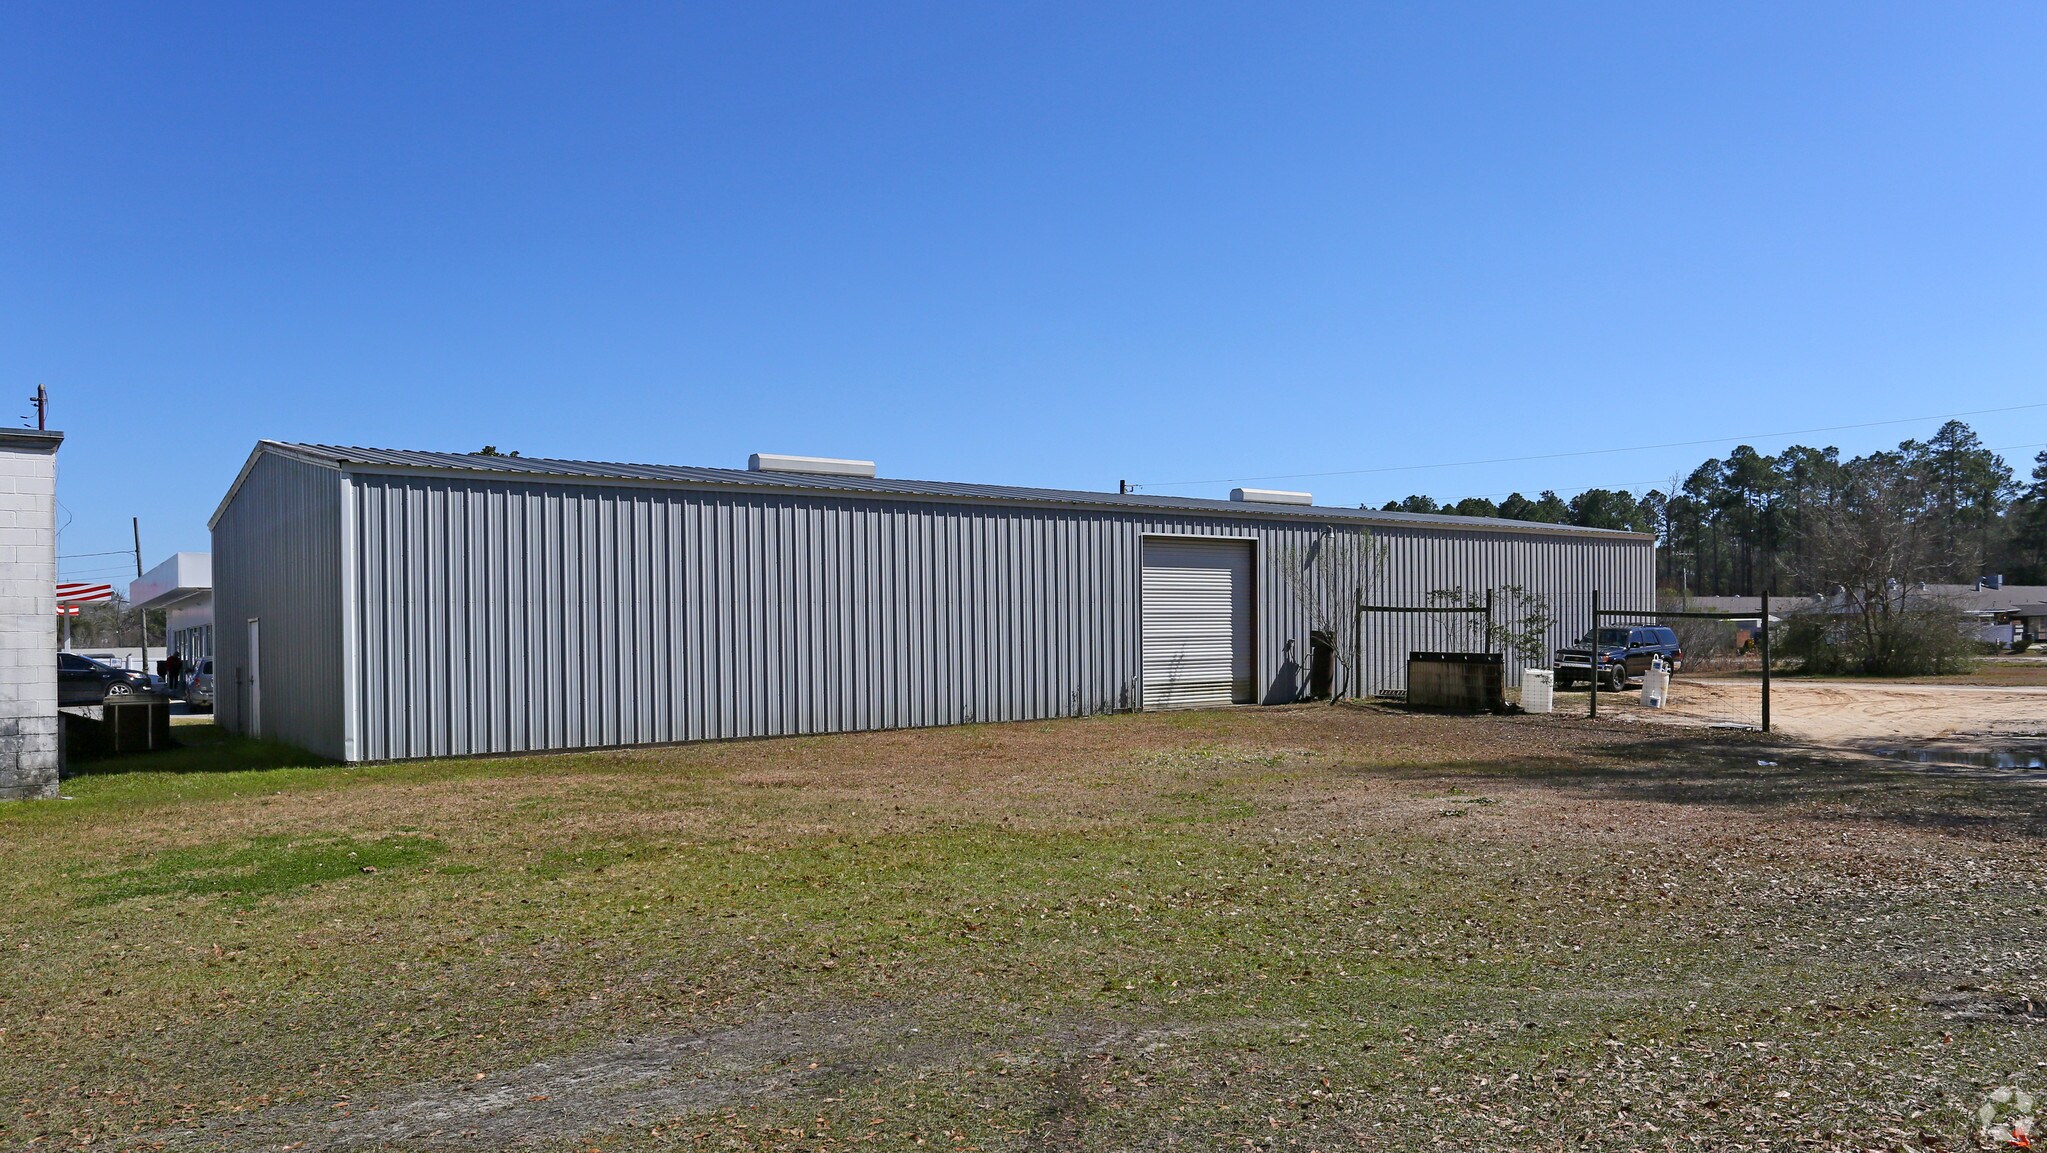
(1898, 643)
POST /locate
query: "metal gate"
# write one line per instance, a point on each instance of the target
(1197, 623)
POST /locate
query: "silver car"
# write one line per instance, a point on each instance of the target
(199, 686)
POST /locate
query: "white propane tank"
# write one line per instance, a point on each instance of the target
(1538, 690)
(1655, 686)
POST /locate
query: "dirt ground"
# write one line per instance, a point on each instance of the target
(1849, 714)
(1301, 928)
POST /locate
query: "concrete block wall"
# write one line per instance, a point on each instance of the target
(28, 614)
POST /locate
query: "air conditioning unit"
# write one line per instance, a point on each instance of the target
(1270, 496)
(811, 465)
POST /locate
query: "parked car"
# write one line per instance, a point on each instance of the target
(88, 682)
(1625, 653)
(199, 685)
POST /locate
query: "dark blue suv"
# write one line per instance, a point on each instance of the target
(1625, 652)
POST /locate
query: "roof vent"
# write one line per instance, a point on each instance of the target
(814, 465)
(1270, 496)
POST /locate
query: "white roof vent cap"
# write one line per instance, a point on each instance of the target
(1270, 496)
(814, 465)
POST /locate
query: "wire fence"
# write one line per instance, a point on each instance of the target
(1725, 702)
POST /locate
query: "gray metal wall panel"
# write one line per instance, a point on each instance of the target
(501, 615)
(1564, 569)
(277, 558)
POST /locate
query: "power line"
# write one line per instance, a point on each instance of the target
(114, 552)
(1589, 451)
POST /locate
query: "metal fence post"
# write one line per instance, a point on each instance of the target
(1764, 627)
(1592, 668)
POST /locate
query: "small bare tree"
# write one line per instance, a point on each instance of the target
(1874, 547)
(1328, 577)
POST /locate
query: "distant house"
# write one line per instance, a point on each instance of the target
(1746, 627)
(2029, 624)
(1991, 606)
(1995, 613)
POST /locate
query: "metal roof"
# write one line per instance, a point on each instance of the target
(359, 459)
(1980, 599)
(1779, 605)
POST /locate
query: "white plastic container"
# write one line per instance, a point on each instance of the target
(1538, 690)
(1655, 688)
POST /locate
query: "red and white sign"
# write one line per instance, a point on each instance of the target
(82, 592)
(67, 610)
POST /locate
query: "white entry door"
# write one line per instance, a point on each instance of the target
(253, 723)
(1197, 623)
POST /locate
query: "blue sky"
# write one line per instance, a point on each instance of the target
(1037, 244)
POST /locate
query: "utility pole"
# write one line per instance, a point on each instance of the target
(141, 617)
(42, 402)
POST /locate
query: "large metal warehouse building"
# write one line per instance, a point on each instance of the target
(376, 605)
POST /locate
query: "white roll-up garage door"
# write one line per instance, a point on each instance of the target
(1197, 623)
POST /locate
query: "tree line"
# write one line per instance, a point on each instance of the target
(1945, 510)
(111, 624)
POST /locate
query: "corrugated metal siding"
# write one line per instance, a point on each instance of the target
(503, 615)
(1563, 569)
(277, 558)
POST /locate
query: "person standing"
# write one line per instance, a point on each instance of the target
(173, 670)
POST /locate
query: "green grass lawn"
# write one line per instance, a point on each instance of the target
(1303, 928)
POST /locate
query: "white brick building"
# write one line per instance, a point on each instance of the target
(28, 613)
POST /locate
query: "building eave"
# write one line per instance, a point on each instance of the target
(536, 470)
(31, 439)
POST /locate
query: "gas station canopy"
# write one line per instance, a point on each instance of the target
(185, 576)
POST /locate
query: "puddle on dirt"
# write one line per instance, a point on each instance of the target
(1975, 758)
